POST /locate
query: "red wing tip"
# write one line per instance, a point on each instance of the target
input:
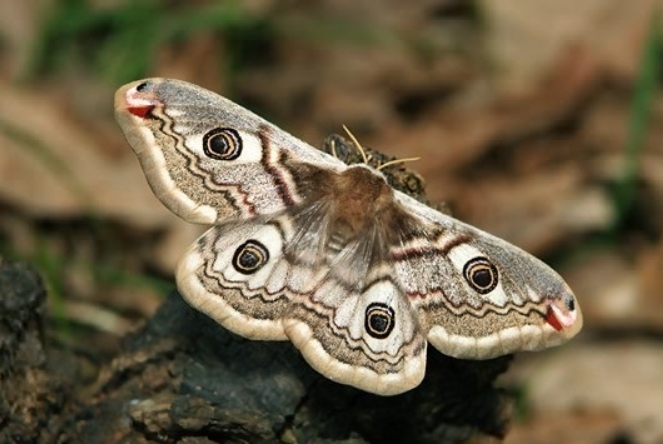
(138, 99)
(140, 111)
(551, 318)
(563, 314)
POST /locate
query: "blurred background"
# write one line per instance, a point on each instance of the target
(540, 122)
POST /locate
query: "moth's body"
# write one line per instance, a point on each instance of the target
(357, 197)
(359, 276)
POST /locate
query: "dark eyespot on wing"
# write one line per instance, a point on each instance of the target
(380, 320)
(481, 274)
(250, 257)
(222, 144)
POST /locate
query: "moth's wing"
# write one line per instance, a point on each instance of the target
(478, 296)
(208, 159)
(266, 279)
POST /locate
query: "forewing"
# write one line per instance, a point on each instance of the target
(208, 159)
(478, 296)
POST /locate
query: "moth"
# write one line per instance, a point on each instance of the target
(359, 276)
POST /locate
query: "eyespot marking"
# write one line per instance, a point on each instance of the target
(222, 144)
(380, 320)
(481, 274)
(250, 257)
